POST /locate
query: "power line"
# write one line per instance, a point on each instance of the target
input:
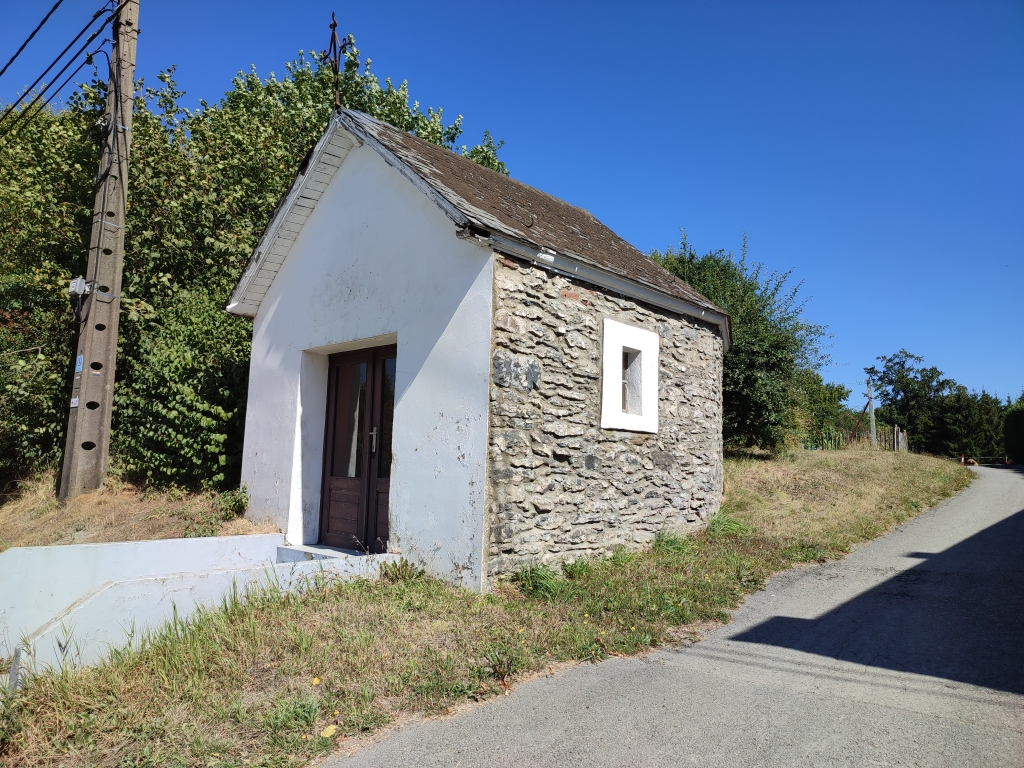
(29, 38)
(16, 129)
(58, 59)
(25, 110)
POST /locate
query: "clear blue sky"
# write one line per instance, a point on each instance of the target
(874, 148)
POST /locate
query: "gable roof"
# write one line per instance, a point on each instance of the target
(483, 204)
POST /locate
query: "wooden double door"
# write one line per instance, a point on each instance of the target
(357, 450)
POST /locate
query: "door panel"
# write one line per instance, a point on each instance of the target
(384, 417)
(357, 450)
(341, 516)
(349, 415)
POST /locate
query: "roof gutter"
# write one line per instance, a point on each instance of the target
(570, 266)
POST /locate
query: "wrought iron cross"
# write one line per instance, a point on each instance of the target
(334, 52)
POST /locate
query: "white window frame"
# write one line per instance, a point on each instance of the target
(618, 337)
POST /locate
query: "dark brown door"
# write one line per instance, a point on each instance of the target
(357, 450)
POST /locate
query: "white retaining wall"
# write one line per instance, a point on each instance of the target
(39, 583)
(120, 611)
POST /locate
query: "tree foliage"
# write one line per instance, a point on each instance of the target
(1013, 431)
(771, 386)
(941, 416)
(203, 184)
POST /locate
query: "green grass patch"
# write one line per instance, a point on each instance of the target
(276, 679)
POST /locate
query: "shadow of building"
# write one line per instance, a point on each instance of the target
(959, 615)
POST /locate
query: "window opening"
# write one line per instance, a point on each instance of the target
(348, 446)
(629, 378)
(632, 400)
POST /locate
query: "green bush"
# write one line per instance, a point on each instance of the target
(774, 351)
(203, 184)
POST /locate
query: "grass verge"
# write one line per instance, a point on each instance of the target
(277, 679)
(31, 517)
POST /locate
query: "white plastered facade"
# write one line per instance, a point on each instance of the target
(377, 262)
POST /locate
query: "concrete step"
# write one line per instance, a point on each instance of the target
(297, 553)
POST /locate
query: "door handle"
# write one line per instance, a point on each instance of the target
(373, 440)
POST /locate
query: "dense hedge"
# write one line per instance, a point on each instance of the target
(203, 184)
(772, 391)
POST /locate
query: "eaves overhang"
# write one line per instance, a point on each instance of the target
(345, 131)
(315, 174)
(575, 266)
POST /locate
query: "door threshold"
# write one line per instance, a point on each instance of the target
(297, 553)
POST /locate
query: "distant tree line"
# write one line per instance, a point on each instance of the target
(943, 417)
(775, 396)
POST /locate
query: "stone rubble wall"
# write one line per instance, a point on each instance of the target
(558, 486)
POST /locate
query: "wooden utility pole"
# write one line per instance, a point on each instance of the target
(99, 294)
(871, 416)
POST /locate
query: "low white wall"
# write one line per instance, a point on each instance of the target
(38, 583)
(377, 260)
(122, 611)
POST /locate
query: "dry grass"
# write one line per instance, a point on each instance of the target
(277, 679)
(30, 516)
(835, 499)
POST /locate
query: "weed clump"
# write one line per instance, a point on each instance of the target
(504, 661)
(670, 543)
(724, 524)
(11, 723)
(537, 581)
(401, 571)
(577, 569)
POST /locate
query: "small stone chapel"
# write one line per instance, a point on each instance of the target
(456, 367)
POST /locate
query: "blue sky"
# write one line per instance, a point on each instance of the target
(876, 149)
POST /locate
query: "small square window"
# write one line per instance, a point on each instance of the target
(630, 372)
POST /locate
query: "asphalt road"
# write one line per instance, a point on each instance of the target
(908, 652)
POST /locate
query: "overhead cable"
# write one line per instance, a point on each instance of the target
(29, 38)
(59, 57)
(15, 128)
(21, 115)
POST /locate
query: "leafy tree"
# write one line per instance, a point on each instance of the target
(941, 416)
(203, 185)
(910, 396)
(1013, 431)
(773, 361)
(820, 412)
(486, 154)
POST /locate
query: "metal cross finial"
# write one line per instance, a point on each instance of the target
(333, 54)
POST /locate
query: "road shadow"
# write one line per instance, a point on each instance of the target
(959, 615)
